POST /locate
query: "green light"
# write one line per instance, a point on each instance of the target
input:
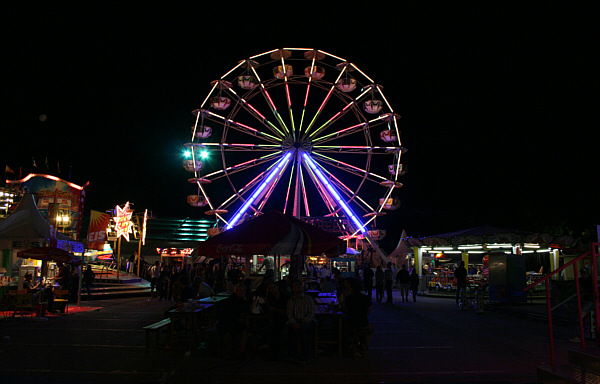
(203, 154)
(187, 154)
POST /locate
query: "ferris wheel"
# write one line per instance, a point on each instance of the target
(301, 131)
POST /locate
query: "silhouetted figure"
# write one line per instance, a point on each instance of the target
(414, 284)
(368, 276)
(379, 281)
(460, 274)
(403, 281)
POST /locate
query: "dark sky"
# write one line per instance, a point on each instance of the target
(498, 103)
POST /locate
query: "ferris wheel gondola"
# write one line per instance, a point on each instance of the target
(298, 130)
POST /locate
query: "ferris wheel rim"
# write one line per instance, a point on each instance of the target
(274, 135)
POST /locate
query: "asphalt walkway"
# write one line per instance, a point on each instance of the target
(429, 341)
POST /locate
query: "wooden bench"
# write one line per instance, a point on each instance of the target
(156, 328)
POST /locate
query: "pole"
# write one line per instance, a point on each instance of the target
(139, 256)
(118, 257)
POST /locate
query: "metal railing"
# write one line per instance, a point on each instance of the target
(593, 254)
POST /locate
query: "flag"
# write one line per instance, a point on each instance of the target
(58, 167)
(46, 163)
(7, 169)
(97, 230)
(33, 162)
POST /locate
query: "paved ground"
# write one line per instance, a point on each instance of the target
(425, 342)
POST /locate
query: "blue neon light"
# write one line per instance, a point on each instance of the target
(282, 162)
(333, 192)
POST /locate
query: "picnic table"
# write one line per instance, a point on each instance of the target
(191, 321)
(329, 327)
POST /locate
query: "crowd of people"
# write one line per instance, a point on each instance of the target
(290, 318)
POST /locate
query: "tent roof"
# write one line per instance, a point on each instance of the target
(484, 230)
(272, 233)
(491, 234)
(26, 222)
(402, 248)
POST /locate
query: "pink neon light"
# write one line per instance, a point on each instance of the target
(254, 109)
(78, 187)
(287, 91)
(245, 126)
(270, 100)
(325, 100)
(306, 97)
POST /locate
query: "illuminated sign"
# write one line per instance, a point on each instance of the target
(123, 223)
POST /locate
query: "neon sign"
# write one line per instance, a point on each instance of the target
(123, 223)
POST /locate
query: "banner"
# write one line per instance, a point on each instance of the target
(97, 230)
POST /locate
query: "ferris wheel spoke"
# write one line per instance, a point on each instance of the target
(269, 100)
(312, 67)
(240, 167)
(288, 96)
(323, 104)
(304, 194)
(325, 197)
(273, 175)
(239, 193)
(352, 169)
(357, 128)
(242, 147)
(338, 115)
(240, 127)
(289, 188)
(332, 192)
(350, 194)
(256, 114)
(355, 149)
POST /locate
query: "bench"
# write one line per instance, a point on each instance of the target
(156, 328)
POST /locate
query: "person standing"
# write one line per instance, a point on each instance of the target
(88, 280)
(414, 284)
(64, 276)
(269, 265)
(389, 282)
(301, 320)
(379, 284)
(357, 308)
(460, 274)
(368, 280)
(154, 277)
(403, 280)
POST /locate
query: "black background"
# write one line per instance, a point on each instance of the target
(498, 101)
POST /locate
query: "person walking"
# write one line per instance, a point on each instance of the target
(379, 284)
(414, 284)
(403, 281)
(389, 282)
(460, 274)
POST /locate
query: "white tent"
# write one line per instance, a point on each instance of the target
(25, 227)
(402, 249)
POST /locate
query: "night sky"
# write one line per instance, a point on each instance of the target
(498, 103)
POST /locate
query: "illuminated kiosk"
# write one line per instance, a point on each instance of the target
(486, 248)
(301, 131)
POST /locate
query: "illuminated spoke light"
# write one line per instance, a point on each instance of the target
(333, 193)
(282, 163)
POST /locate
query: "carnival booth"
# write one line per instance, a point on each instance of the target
(510, 252)
(26, 229)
